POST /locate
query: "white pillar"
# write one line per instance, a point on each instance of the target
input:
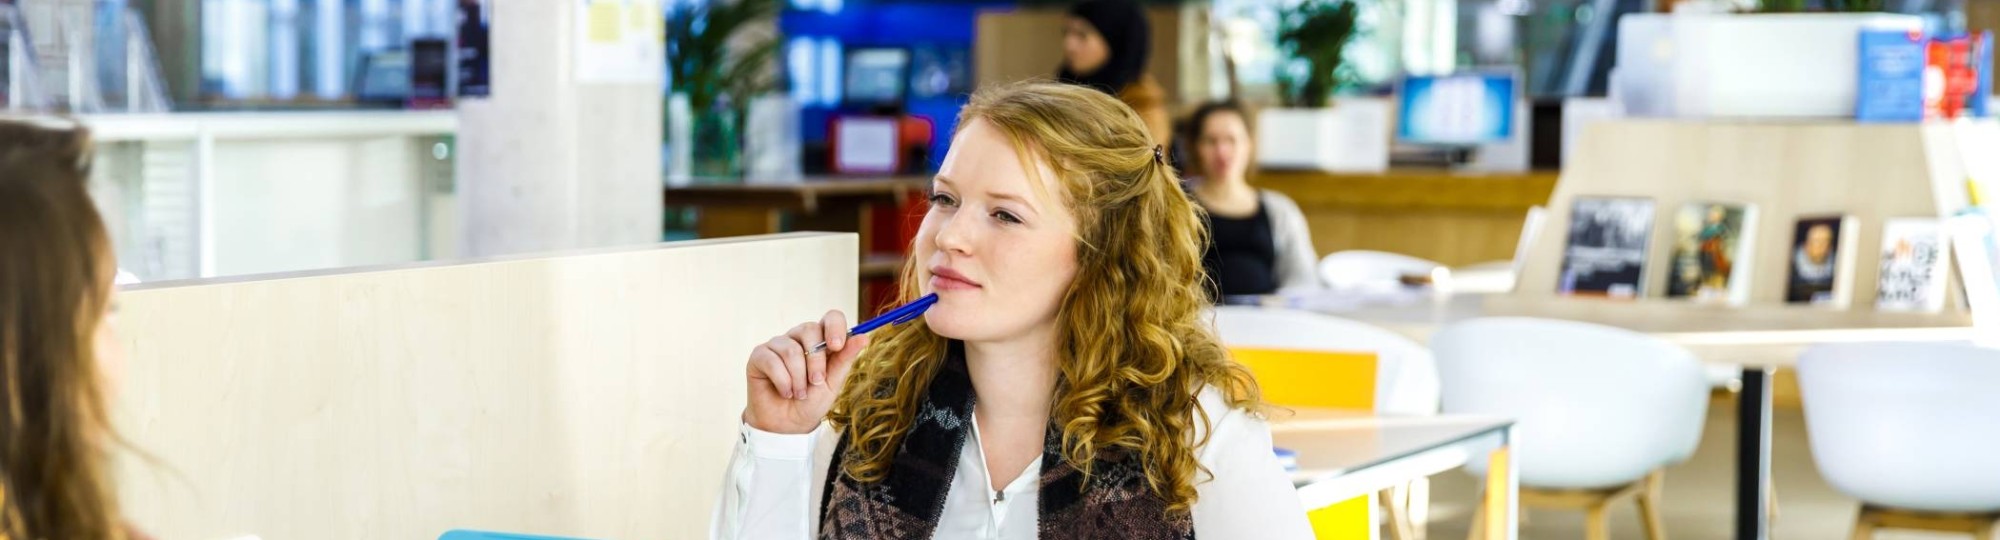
(546, 162)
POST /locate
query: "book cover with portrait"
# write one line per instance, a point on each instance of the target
(1822, 261)
(1711, 262)
(1913, 266)
(1606, 252)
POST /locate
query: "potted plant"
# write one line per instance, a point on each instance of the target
(1786, 59)
(717, 65)
(1308, 132)
(1315, 35)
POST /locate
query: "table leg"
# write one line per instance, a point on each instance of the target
(1503, 492)
(1753, 455)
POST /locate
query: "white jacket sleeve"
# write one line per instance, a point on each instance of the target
(1297, 261)
(1250, 495)
(772, 487)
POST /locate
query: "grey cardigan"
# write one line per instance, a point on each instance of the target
(1296, 259)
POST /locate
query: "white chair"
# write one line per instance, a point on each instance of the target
(1495, 277)
(1405, 379)
(1912, 430)
(1600, 412)
(1379, 270)
(1405, 375)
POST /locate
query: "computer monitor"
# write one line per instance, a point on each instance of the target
(876, 75)
(1470, 108)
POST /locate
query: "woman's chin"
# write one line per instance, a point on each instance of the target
(951, 325)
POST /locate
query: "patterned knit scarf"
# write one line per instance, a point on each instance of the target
(1112, 502)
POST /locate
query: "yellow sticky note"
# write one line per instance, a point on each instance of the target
(645, 20)
(607, 22)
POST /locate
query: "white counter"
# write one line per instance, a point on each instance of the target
(254, 125)
(192, 195)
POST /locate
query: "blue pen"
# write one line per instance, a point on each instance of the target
(902, 314)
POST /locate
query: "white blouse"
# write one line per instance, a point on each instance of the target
(772, 490)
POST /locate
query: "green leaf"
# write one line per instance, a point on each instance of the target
(699, 55)
(1315, 32)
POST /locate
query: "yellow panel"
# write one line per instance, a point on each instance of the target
(1498, 519)
(1341, 380)
(1346, 520)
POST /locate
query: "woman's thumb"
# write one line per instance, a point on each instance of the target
(840, 362)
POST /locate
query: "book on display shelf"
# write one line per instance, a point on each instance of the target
(1914, 265)
(1605, 255)
(1711, 262)
(1822, 261)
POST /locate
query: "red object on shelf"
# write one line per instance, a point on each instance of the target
(893, 230)
(1950, 59)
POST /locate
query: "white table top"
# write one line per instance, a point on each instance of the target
(1344, 454)
(1759, 335)
(1332, 442)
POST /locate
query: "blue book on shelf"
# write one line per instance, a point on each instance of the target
(1890, 86)
(1982, 64)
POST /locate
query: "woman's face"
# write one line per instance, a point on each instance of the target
(1225, 146)
(1819, 243)
(1084, 50)
(999, 251)
(110, 350)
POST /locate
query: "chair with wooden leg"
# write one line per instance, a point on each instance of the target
(1600, 412)
(1909, 430)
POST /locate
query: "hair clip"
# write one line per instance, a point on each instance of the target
(1159, 155)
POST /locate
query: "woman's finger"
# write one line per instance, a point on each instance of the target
(767, 364)
(794, 355)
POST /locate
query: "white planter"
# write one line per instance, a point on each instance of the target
(1794, 65)
(1351, 136)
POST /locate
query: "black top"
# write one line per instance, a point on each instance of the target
(1242, 256)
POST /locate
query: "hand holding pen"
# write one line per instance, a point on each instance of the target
(794, 377)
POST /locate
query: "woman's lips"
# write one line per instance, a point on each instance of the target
(946, 279)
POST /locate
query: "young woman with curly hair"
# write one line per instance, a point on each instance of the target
(1064, 385)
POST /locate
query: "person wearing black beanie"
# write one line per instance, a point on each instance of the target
(1105, 46)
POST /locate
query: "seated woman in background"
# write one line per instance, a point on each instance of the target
(1064, 385)
(1258, 240)
(1105, 46)
(56, 340)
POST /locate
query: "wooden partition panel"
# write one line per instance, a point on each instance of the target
(1788, 170)
(591, 395)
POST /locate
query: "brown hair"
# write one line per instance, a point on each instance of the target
(1133, 352)
(1198, 123)
(55, 275)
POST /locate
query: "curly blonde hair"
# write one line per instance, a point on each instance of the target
(1133, 350)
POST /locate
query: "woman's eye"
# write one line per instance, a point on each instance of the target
(1006, 216)
(940, 199)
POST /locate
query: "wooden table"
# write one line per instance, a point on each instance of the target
(1453, 217)
(1346, 454)
(831, 204)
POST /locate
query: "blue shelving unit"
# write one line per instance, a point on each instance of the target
(855, 24)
